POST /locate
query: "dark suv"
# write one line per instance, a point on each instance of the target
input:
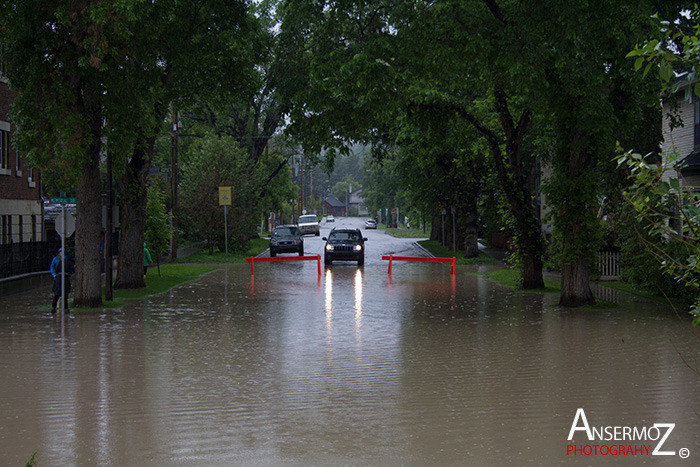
(345, 245)
(286, 239)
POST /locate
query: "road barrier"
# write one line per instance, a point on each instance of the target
(393, 258)
(252, 260)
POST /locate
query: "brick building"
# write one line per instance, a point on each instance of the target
(20, 191)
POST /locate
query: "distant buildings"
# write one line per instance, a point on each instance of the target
(334, 206)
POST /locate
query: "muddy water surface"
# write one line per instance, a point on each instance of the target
(351, 368)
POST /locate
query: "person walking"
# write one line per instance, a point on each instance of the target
(146, 260)
(58, 280)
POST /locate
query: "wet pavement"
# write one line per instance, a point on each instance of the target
(350, 368)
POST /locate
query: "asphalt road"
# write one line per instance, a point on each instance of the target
(378, 242)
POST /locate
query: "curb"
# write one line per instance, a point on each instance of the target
(427, 253)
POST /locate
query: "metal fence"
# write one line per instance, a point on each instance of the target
(26, 257)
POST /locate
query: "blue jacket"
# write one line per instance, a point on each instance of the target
(55, 263)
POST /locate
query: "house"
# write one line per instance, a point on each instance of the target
(20, 196)
(683, 140)
(356, 203)
(334, 206)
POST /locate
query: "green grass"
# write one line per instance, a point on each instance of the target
(630, 289)
(436, 248)
(255, 247)
(599, 305)
(511, 278)
(171, 275)
(407, 233)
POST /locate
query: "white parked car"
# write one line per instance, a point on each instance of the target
(308, 224)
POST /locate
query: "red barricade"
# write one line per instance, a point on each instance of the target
(393, 258)
(252, 260)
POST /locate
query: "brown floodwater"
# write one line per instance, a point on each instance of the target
(349, 368)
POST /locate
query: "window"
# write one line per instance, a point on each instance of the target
(5, 229)
(696, 138)
(2, 71)
(34, 227)
(20, 229)
(17, 171)
(4, 148)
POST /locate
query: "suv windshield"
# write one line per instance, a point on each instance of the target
(352, 236)
(307, 219)
(285, 231)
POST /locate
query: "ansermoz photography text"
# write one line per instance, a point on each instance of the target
(622, 440)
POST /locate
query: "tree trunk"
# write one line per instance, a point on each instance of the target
(436, 228)
(471, 242)
(88, 286)
(133, 191)
(532, 272)
(468, 228)
(575, 286)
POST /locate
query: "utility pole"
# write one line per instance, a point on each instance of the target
(108, 233)
(293, 200)
(453, 210)
(173, 154)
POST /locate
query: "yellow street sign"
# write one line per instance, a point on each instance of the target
(224, 196)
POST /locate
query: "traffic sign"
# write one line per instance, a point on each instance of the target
(224, 196)
(62, 200)
(70, 224)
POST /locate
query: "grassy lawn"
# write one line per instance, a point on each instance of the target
(440, 251)
(628, 288)
(171, 275)
(407, 233)
(182, 270)
(255, 247)
(510, 278)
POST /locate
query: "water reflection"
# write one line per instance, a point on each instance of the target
(431, 370)
(358, 302)
(329, 305)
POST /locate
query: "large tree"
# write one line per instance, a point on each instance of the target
(53, 54)
(175, 51)
(583, 79)
(372, 63)
(519, 71)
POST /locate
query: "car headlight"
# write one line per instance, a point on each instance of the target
(329, 247)
(273, 242)
(358, 247)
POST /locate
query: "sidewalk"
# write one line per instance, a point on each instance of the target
(497, 253)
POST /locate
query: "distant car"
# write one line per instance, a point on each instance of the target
(370, 224)
(309, 224)
(330, 218)
(286, 239)
(345, 245)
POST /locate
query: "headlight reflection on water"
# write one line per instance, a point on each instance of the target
(329, 304)
(358, 302)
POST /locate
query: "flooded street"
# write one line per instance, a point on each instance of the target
(353, 368)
